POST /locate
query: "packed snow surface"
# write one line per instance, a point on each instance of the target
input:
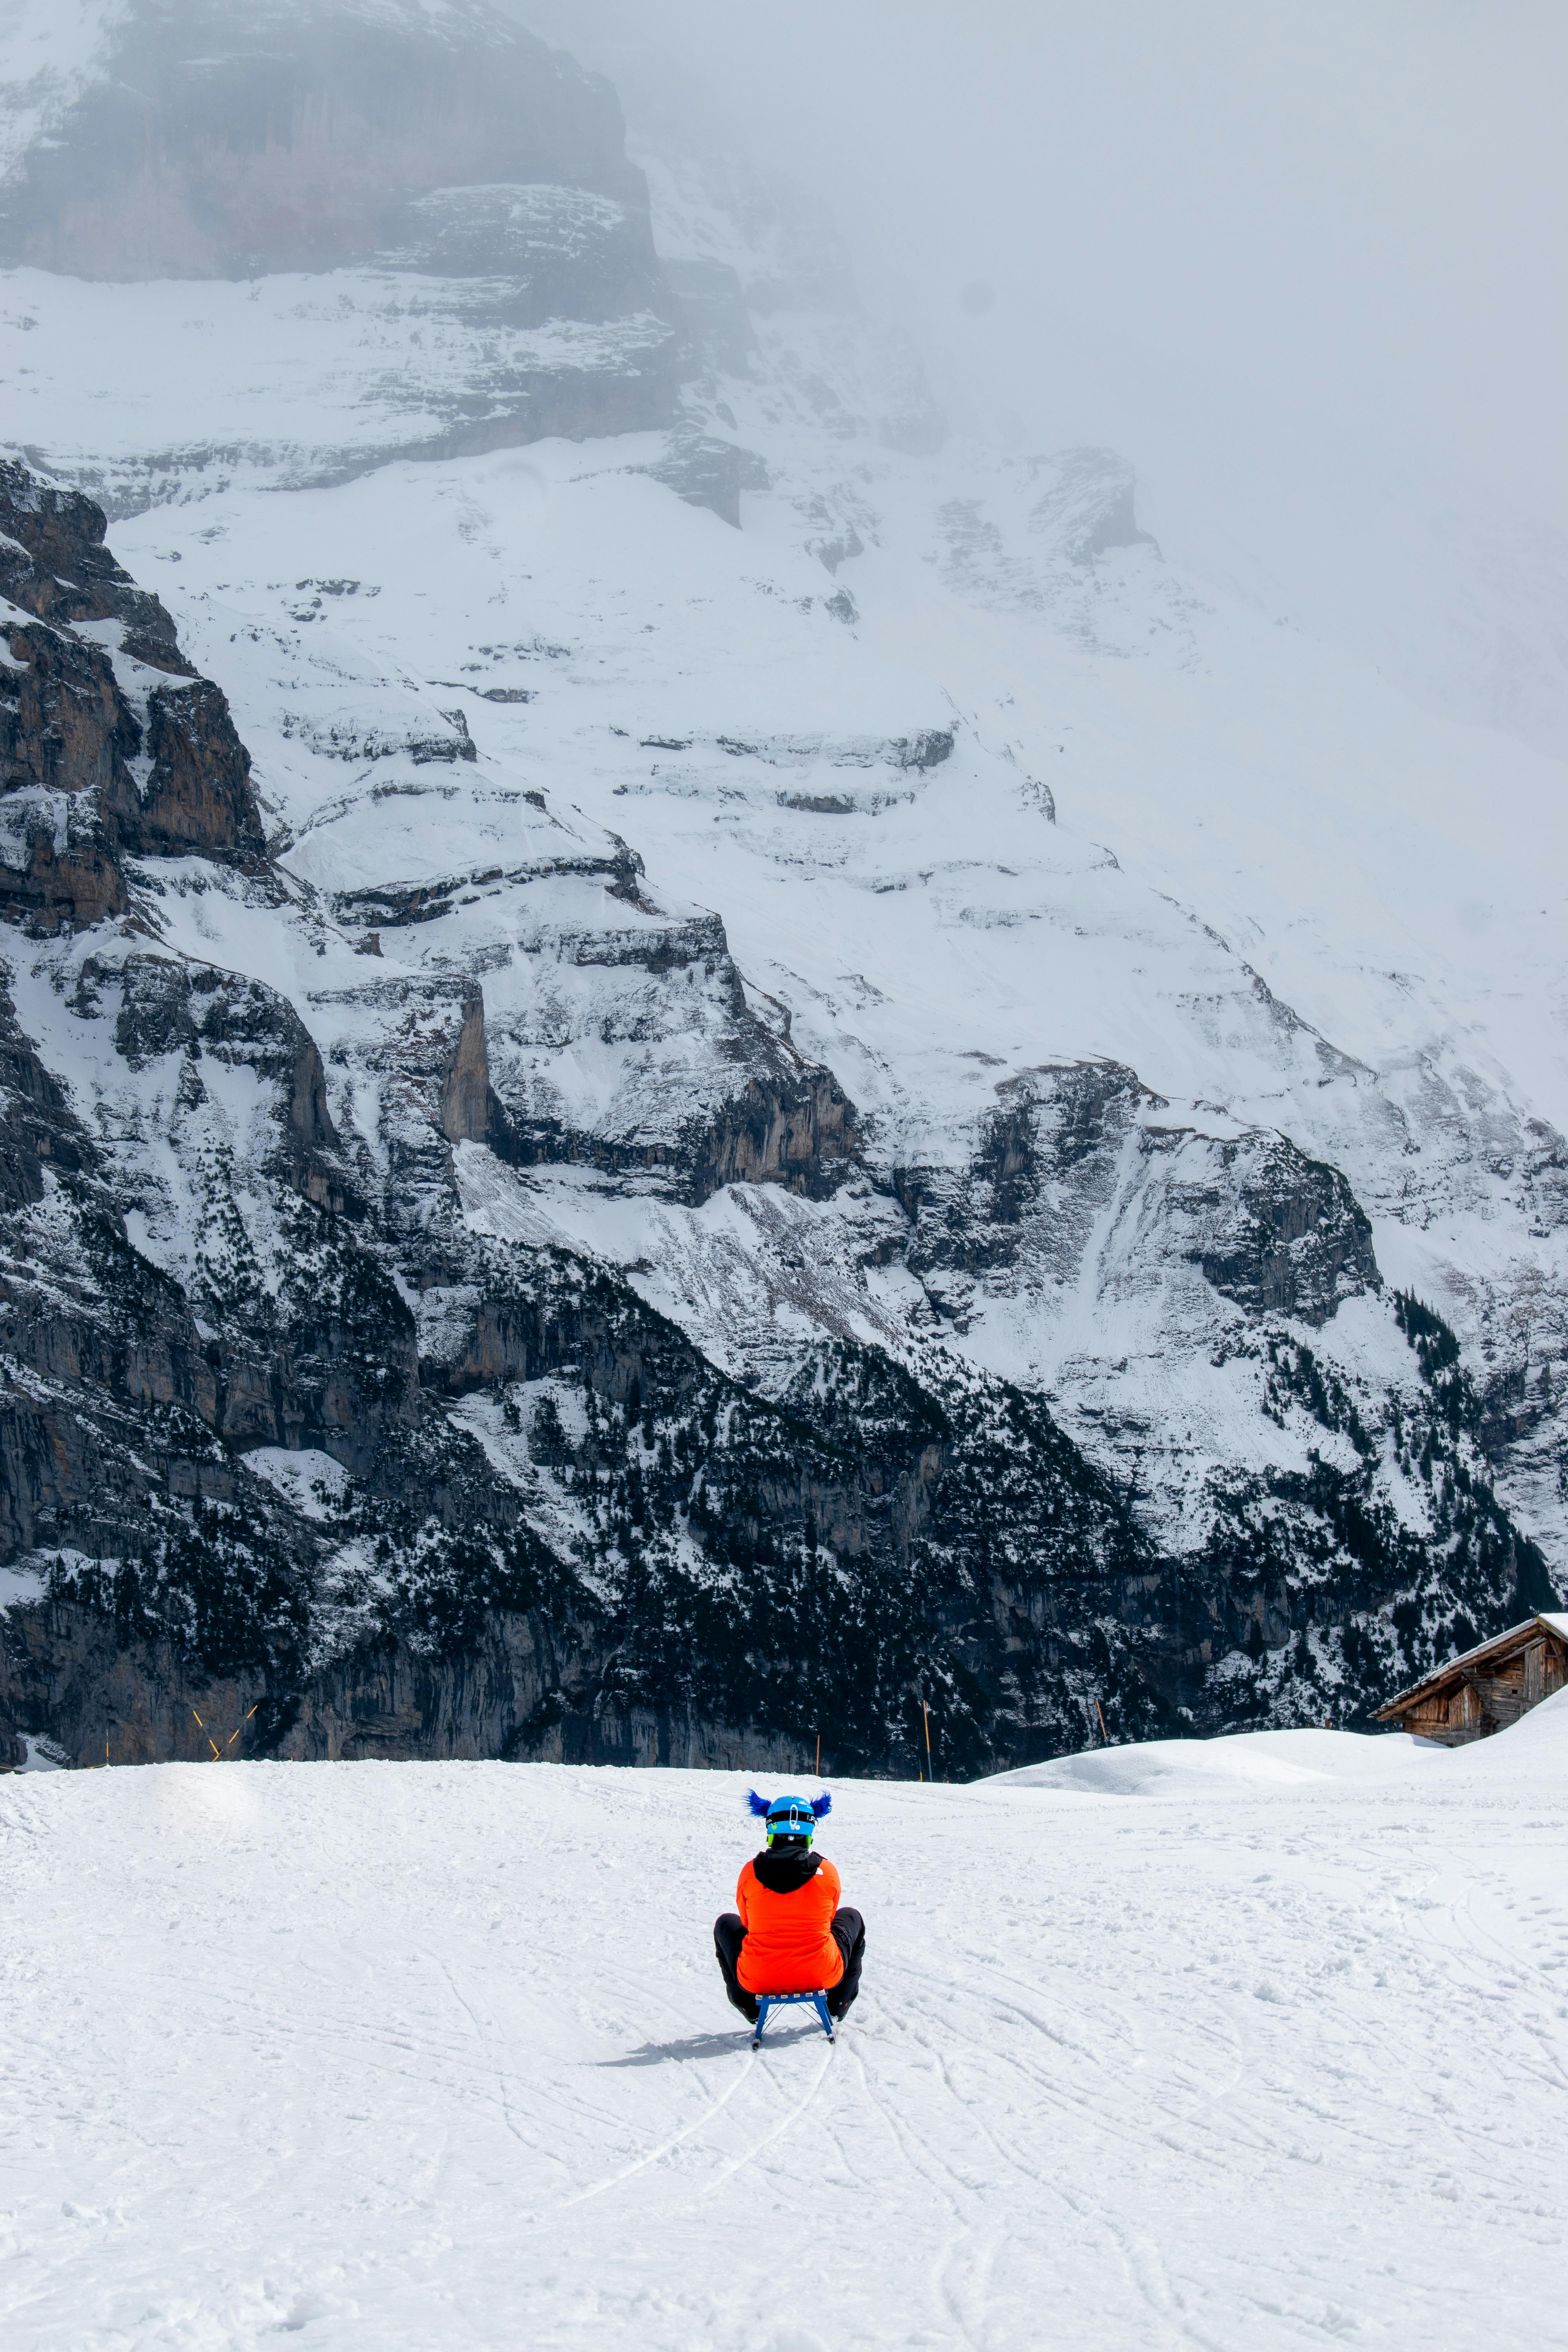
(1252, 2043)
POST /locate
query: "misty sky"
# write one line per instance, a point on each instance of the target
(1220, 217)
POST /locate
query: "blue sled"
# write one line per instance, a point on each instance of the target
(772, 2000)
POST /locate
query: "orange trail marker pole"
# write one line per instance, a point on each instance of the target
(926, 1713)
(819, 1772)
(1104, 1735)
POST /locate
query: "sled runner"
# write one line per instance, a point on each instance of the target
(769, 2000)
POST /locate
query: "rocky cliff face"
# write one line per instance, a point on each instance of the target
(300, 1453)
(211, 140)
(110, 747)
(443, 179)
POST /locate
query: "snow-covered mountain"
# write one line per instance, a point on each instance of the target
(688, 1059)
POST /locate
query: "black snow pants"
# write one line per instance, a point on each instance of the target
(849, 1932)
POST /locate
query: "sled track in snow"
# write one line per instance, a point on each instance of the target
(362, 2073)
(1137, 2257)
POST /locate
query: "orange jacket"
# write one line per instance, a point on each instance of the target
(788, 1948)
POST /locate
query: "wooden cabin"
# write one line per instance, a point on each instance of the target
(1489, 1688)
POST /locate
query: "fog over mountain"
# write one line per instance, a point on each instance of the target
(784, 917)
(1305, 263)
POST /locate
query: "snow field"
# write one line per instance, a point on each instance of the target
(1254, 2043)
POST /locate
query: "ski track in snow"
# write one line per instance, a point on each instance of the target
(1258, 2044)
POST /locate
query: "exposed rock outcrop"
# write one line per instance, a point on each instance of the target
(65, 727)
(1285, 1235)
(225, 140)
(142, 1702)
(469, 1111)
(1047, 1163)
(109, 745)
(708, 472)
(794, 1129)
(552, 252)
(1276, 1232)
(198, 796)
(442, 159)
(1087, 508)
(37, 1126)
(789, 1125)
(54, 565)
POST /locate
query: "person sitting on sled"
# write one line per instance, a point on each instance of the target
(789, 1932)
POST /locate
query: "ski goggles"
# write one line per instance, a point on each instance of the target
(795, 1818)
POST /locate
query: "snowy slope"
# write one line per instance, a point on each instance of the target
(1251, 2044)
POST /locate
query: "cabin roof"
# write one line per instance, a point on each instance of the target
(1553, 1621)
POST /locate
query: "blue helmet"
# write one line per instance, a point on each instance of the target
(791, 1817)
